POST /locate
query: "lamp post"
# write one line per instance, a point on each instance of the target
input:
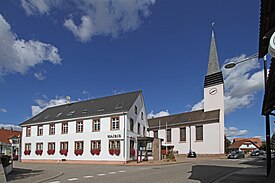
(267, 118)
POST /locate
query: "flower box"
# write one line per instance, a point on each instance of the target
(78, 152)
(39, 152)
(132, 152)
(27, 152)
(63, 152)
(51, 152)
(117, 152)
(95, 151)
(111, 151)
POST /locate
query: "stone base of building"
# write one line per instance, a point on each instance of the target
(74, 162)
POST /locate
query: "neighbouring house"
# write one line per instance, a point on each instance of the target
(245, 144)
(201, 131)
(104, 129)
(10, 142)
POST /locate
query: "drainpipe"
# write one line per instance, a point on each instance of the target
(125, 140)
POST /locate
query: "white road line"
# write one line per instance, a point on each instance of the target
(121, 171)
(55, 182)
(87, 176)
(72, 179)
(112, 172)
(101, 174)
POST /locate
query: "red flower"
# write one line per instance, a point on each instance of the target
(51, 152)
(163, 152)
(132, 152)
(78, 152)
(39, 152)
(117, 152)
(111, 151)
(63, 152)
(27, 152)
(95, 151)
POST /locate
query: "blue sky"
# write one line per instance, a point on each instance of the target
(84, 49)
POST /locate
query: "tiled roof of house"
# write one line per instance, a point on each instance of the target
(237, 142)
(5, 135)
(99, 106)
(184, 119)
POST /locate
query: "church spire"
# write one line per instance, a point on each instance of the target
(213, 63)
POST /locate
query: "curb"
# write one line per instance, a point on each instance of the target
(49, 178)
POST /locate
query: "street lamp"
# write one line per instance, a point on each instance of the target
(267, 119)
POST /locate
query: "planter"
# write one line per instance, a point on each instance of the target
(78, 152)
(63, 152)
(27, 152)
(51, 152)
(39, 152)
(95, 151)
(111, 152)
(117, 152)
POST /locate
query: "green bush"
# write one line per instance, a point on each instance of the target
(6, 160)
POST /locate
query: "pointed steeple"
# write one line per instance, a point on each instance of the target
(213, 63)
(214, 74)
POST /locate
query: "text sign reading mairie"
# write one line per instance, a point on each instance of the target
(114, 136)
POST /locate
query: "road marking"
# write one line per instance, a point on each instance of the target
(72, 179)
(87, 176)
(55, 182)
(101, 174)
(121, 171)
(112, 172)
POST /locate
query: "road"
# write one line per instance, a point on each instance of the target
(197, 171)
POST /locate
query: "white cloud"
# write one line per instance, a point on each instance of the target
(96, 17)
(159, 114)
(42, 104)
(39, 75)
(3, 110)
(198, 106)
(19, 55)
(241, 83)
(10, 126)
(234, 132)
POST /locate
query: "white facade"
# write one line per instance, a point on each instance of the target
(123, 134)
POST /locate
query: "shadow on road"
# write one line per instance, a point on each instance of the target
(20, 173)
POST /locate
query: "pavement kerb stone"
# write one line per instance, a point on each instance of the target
(49, 178)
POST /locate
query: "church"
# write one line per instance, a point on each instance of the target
(200, 131)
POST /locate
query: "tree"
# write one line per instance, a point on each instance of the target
(227, 143)
(272, 142)
(263, 147)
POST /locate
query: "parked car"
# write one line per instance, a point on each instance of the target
(236, 155)
(272, 156)
(257, 153)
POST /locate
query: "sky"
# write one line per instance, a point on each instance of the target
(85, 49)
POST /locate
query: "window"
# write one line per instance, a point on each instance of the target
(28, 131)
(136, 109)
(79, 145)
(138, 128)
(183, 134)
(144, 131)
(28, 147)
(114, 144)
(15, 141)
(95, 144)
(64, 128)
(52, 129)
(131, 124)
(141, 115)
(199, 132)
(39, 146)
(96, 125)
(51, 146)
(115, 123)
(168, 135)
(64, 145)
(40, 130)
(155, 134)
(79, 126)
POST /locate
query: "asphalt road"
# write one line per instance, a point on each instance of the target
(198, 171)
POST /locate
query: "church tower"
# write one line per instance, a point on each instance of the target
(214, 90)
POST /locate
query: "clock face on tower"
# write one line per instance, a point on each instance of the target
(213, 91)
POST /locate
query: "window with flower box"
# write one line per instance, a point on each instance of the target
(39, 130)
(79, 126)
(64, 146)
(51, 148)
(27, 150)
(79, 147)
(131, 124)
(95, 147)
(115, 123)
(96, 125)
(52, 129)
(114, 147)
(64, 128)
(39, 148)
(28, 131)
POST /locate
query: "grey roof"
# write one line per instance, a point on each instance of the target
(213, 63)
(99, 106)
(184, 119)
